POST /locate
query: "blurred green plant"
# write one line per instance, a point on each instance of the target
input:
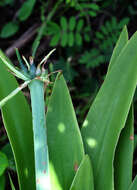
(104, 41)
(68, 33)
(12, 27)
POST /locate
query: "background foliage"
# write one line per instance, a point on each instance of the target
(84, 33)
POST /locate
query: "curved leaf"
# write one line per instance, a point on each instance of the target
(84, 176)
(108, 114)
(124, 155)
(26, 9)
(64, 139)
(63, 23)
(72, 23)
(18, 123)
(9, 29)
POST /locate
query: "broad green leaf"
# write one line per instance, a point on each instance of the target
(18, 123)
(71, 39)
(64, 39)
(64, 138)
(2, 182)
(123, 39)
(72, 23)
(9, 29)
(108, 114)
(133, 186)
(26, 9)
(3, 163)
(124, 155)
(63, 23)
(84, 176)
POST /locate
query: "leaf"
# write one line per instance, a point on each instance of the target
(55, 40)
(71, 39)
(63, 23)
(64, 39)
(72, 23)
(18, 123)
(123, 39)
(26, 9)
(64, 138)
(78, 39)
(87, 37)
(92, 13)
(3, 163)
(93, 6)
(133, 186)
(9, 29)
(80, 25)
(108, 115)
(99, 35)
(124, 155)
(52, 28)
(84, 176)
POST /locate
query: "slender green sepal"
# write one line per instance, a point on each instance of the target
(133, 186)
(13, 93)
(84, 176)
(40, 135)
(27, 64)
(46, 57)
(22, 66)
(124, 155)
(11, 67)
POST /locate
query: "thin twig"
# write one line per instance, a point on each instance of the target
(25, 38)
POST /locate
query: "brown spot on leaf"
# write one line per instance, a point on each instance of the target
(131, 137)
(75, 166)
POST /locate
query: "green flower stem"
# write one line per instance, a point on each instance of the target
(40, 138)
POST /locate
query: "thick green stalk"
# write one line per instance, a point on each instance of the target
(40, 138)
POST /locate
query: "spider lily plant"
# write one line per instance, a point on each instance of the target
(100, 155)
(35, 78)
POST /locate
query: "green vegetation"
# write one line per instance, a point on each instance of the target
(84, 33)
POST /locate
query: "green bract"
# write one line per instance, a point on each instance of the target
(54, 153)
